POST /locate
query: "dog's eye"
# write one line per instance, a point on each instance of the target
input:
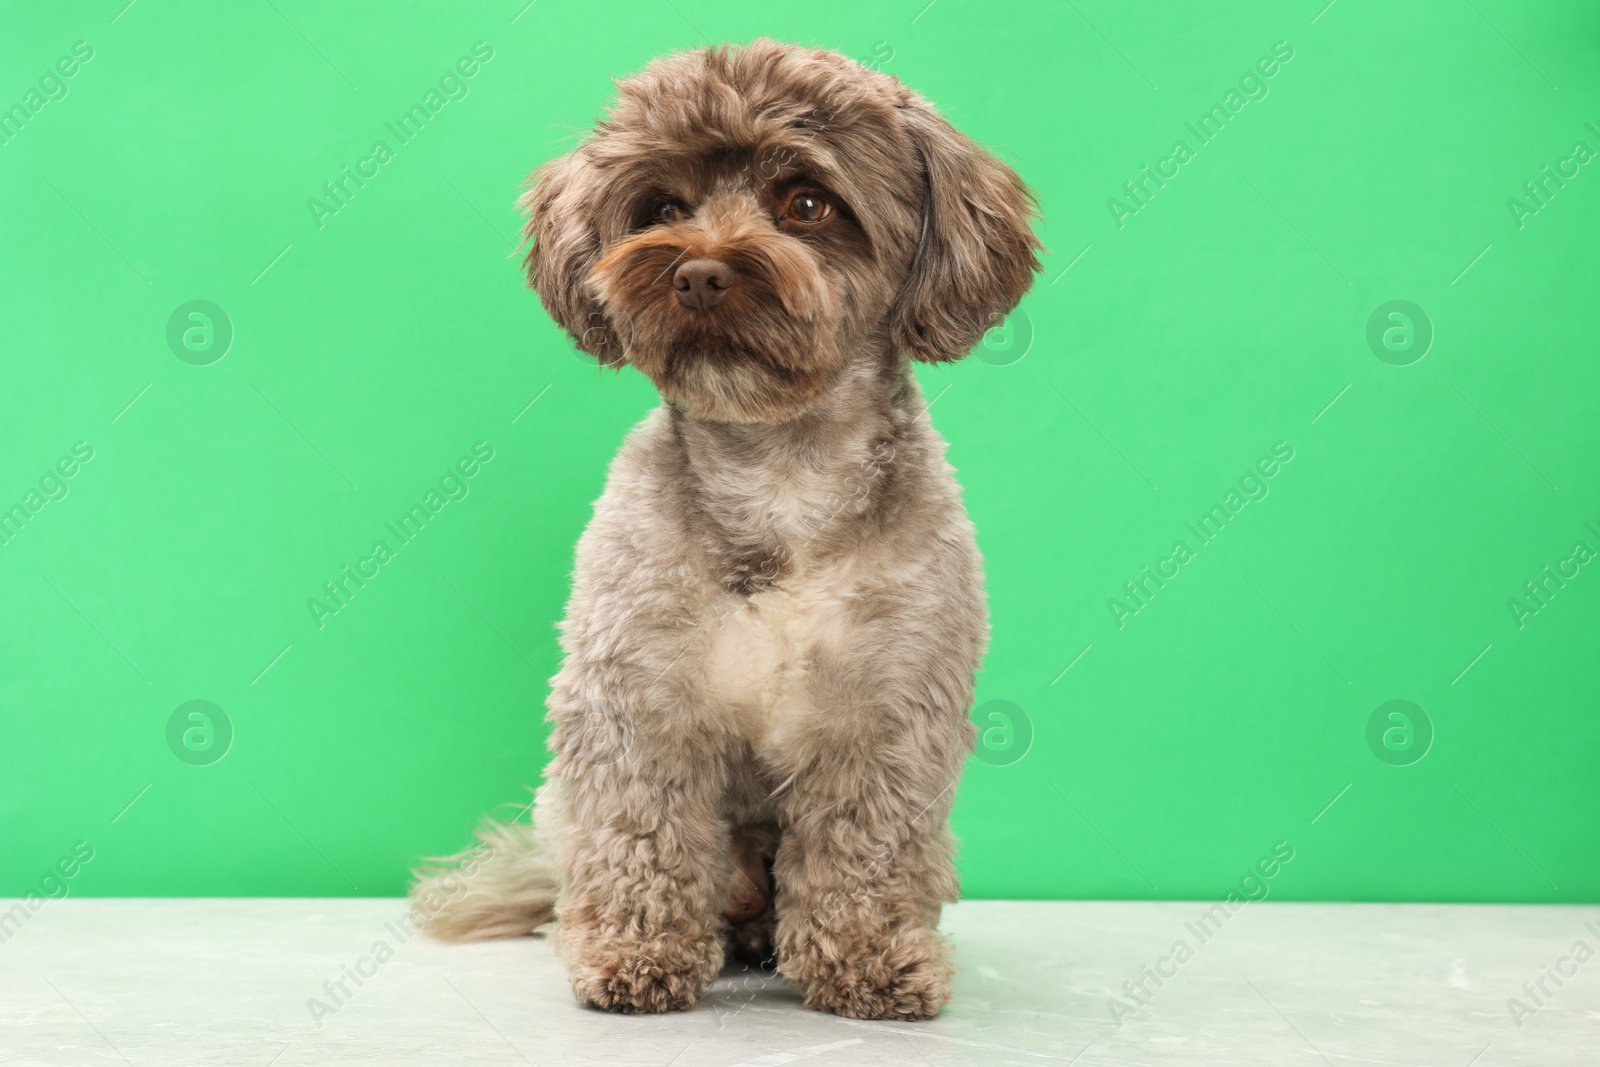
(808, 207)
(667, 212)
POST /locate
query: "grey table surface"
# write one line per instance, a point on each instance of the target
(253, 983)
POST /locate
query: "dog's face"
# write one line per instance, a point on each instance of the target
(745, 222)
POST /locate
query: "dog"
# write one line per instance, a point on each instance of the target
(777, 608)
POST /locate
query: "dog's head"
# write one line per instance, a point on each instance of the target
(746, 221)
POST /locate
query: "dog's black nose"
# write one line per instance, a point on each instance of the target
(702, 283)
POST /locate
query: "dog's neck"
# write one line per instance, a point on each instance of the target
(772, 496)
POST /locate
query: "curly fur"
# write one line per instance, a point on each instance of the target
(502, 886)
(777, 609)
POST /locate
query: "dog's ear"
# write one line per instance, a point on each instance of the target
(563, 246)
(975, 256)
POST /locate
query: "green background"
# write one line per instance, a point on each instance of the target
(1162, 359)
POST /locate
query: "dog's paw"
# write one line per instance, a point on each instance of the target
(646, 978)
(906, 981)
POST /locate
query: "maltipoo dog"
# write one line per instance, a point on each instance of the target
(778, 605)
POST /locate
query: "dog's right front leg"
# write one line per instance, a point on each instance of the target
(644, 857)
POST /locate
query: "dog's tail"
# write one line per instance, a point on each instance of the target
(502, 886)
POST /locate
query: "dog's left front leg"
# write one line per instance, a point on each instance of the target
(863, 868)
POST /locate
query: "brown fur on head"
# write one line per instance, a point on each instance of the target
(927, 245)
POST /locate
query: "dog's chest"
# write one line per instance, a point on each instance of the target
(763, 647)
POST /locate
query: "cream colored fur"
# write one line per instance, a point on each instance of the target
(777, 607)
